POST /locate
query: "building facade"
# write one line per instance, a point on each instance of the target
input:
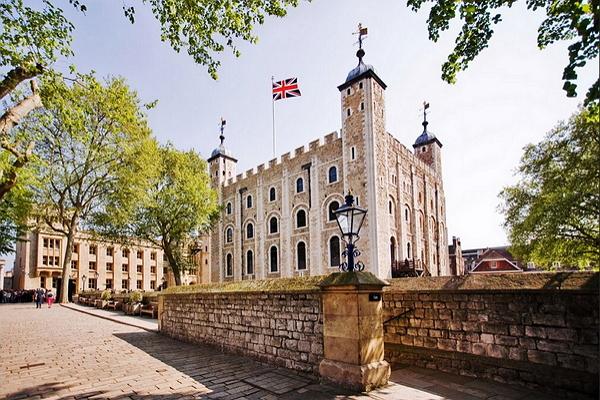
(278, 218)
(39, 257)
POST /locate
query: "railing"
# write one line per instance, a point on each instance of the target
(407, 268)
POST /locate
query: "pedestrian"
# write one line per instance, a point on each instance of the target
(50, 298)
(39, 295)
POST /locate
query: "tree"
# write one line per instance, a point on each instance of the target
(178, 207)
(565, 20)
(553, 212)
(31, 40)
(94, 149)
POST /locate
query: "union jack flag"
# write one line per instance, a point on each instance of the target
(286, 88)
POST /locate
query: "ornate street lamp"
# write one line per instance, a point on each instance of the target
(350, 219)
(83, 278)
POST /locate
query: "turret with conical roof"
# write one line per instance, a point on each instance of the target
(221, 162)
(427, 146)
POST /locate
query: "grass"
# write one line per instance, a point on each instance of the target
(298, 284)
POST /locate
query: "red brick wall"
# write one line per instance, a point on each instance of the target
(501, 265)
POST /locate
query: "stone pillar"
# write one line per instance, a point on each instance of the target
(353, 331)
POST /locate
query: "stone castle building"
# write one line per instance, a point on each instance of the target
(277, 219)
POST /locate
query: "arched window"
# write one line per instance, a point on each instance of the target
(249, 231)
(273, 263)
(229, 235)
(249, 201)
(334, 251)
(272, 194)
(249, 262)
(390, 207)
(273, 228)
(300, 219)
(406, 214)
(393, 249)
(301, 255)
(334, 205)
(408, 250)
(332, 174)
(228, 207)
(229, 265)
(299, 185)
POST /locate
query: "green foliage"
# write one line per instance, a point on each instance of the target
(206, 27)
(136, 297)
(577, 21)
(178, 206)
(552, 213)
(94, 148)
(32, 37)
(106, 295)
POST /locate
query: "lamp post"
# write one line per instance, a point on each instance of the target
(83, 278)
(350, 219)
(130, 280)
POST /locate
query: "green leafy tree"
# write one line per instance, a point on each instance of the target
(576, 21)
(553, 212)
(32, 39)
(178, 207)
(94, 149)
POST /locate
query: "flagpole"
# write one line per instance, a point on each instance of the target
(273, 109)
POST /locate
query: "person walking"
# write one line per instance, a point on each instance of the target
(39, 296)
(50, 298)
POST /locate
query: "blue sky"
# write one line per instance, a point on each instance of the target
(511, 94)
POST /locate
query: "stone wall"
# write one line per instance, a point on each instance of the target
(543, 334)
(282, 328)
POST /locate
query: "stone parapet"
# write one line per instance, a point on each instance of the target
(514, 329)
(279, 328)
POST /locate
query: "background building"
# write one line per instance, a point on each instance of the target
(278, 221)
(39, 257)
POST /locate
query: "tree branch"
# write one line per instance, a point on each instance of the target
(16, 76)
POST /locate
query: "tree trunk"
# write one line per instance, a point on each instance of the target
(175, 267)
(9, 120)
(17, 75)
(66, 272)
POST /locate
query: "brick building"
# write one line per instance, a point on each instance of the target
(277, 219)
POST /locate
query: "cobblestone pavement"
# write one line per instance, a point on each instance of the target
(59, 353)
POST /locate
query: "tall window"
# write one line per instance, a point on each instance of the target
(228, 208)
(92, 265)
(273, 228)
(109, 283)
(93, 249)
(229, 265)
(229, 235)
(334, 251)
(332, 174)
(140, 254)
(109, 251)
(124, 284)
(406, 214)
(125, 253)
(301, 255)
(334, 205)
(299, 185)
(390, 207)
(272, 194)
(301, 219)
(249, 262)
(392, 249)
(76, 248)
(249, 231)
(273, 263)
(124, 267)
(408, 251)
(109, 266)
(249, 201)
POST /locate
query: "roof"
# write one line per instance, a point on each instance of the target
(360, 72)
(426, 137)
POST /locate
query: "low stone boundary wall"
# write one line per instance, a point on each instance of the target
(281, 328)
(541, 332)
